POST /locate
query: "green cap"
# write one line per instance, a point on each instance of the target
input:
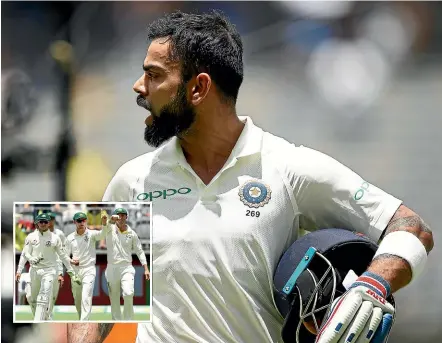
(43, 216)
(120, 211)
(51, 214)
(79, 215)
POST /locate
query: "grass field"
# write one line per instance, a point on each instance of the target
(68, 313)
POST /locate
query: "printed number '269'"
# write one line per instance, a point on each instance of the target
(250, 213)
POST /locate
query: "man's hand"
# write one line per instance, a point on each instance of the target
(75, 261)
(34, 260)
(17, 277)
(146, 273)
(114, 219)
(362, 314)
(104, 220)
(61, 280)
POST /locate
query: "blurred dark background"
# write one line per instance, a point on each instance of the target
(361, 81)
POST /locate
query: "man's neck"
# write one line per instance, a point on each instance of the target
(81, 231)
(210, 143)
(122, 227)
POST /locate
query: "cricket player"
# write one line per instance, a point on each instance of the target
(81, 244)
(60, 273)
(230, 198)
(121, 241)
(41, 250)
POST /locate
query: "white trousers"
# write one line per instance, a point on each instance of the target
(121, 278)
(83, 293)
(42, 282)
(55, 290)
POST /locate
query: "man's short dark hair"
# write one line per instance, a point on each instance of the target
(206, 43)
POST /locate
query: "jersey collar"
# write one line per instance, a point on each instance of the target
(123, 232)
(249, 143)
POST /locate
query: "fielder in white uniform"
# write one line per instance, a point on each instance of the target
(81, 244)
(229, 198)
(121, 242)
(42, 247)
(60, 273)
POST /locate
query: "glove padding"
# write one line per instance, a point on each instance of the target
(360, 315)
(74, 278)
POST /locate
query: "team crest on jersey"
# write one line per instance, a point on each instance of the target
(48, 243)
(255, 193)
(86, 238)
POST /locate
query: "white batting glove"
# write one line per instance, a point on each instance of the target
(360, 315)
(74, 278)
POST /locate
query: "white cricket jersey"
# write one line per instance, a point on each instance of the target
(82, 247)
(121, 245)
(48, 246)
(23, 260)
(215, 247)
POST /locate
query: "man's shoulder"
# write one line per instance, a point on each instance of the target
(292, 158)
(31, 236)
(58, 232)
(137, 165)
(70, 237)
(278, 148)
(131, 231)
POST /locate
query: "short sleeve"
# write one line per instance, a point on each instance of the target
(118, 188)
(328, 194)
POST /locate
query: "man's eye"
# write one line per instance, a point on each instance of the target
(151, 76)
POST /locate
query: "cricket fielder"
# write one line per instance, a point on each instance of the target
(81, 244)
(60, 273)
(121, 241)
(41, 250)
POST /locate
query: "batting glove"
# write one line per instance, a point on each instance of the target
(360, 315)
(74, 278)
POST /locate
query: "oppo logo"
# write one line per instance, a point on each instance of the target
(162, 194)
(361, 191)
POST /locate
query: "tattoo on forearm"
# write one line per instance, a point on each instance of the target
(406, 220)
(88, 332)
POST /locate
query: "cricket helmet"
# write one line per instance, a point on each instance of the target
(41, 217)
(79, 215)
(310, 275)
(120, 210)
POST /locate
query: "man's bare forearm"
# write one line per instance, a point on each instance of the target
(88, 332)
(394, 269)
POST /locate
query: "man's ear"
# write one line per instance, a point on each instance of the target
(200, 88)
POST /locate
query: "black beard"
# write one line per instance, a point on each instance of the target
(174, 119)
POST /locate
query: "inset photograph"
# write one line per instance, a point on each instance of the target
(82, 262)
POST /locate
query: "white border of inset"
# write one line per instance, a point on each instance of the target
(149, 203)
